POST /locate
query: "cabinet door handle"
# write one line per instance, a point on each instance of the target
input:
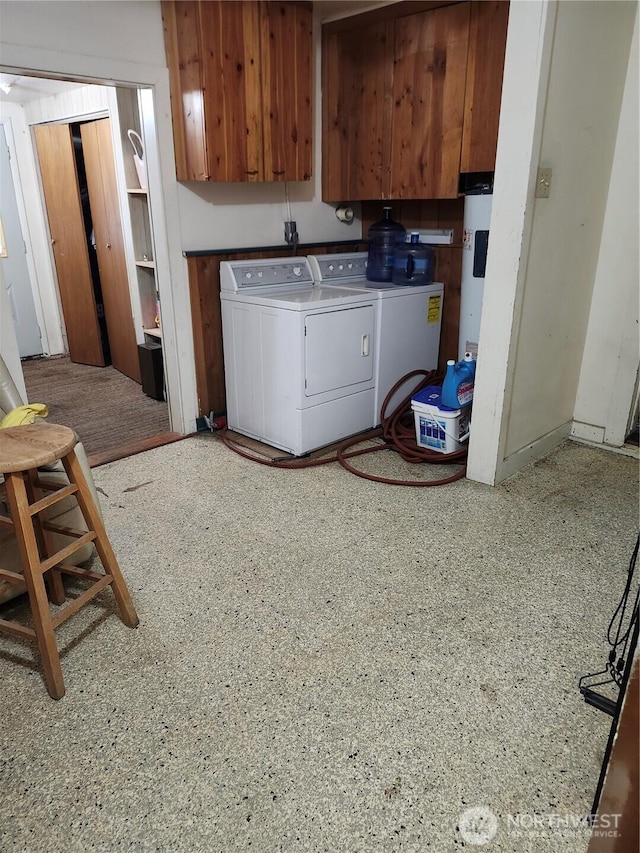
(108, 245)
(281, 172)
(251, 172)
(365, 346)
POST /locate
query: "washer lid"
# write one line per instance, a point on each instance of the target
(384, 290)
(304, 298)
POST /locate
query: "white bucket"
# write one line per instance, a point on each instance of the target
(442, 430)
(138, 158)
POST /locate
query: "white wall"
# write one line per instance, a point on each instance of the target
(8, 343)
(586, 83)
(609, 365)
(565, 73)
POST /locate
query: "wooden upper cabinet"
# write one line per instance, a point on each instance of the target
(411, 99)
(357, 68)
(286, 55)
(485, 67)
(241, 78)
(428, 102)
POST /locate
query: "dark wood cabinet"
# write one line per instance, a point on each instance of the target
(483, 92)
(357, 80)
(428, 102)
(241, 85)
(411, 100)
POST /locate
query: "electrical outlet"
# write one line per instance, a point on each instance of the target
(543, 186)
(290, 233)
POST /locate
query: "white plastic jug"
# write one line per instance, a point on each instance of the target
(138, 158)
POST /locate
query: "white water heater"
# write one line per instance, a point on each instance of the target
(475, 241)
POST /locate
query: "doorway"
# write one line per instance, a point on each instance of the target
(106, 315)
(77, 172)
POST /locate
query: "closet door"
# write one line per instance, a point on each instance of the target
(107, 226)
(68, 239)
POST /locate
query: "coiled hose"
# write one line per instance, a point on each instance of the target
(397, 433)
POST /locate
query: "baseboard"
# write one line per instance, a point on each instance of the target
(541, 447)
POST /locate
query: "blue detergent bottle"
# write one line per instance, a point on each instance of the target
(459, 381)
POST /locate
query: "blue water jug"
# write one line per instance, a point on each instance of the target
(459, 382)
(414, 262)
(384, 237)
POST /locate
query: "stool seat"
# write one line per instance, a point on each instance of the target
(32, 445)
(22, 450)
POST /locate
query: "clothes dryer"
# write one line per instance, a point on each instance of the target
(299, 357)
(408, 322)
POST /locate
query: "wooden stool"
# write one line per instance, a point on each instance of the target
(22, 450)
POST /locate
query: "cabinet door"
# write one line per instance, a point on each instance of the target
(286, 43)
(357, 67)
(487, 43)
(64, 212)
(182, 44)
(97, 148)
(230, 46)
(428, 98)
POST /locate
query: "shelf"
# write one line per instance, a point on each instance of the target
(153, 333)
(148, 265)
(136, 191)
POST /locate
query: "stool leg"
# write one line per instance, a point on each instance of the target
(103, 546)
(53, 578)
(28, 547)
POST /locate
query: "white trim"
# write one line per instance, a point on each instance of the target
(587, 432)
(526, 74)
(541, 447)
(626, 450)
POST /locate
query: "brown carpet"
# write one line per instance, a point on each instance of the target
(107, 410)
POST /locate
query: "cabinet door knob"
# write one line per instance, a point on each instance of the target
(108, 245)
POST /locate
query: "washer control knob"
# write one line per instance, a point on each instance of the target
(297, 270)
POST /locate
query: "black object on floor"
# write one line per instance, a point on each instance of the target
(151, 369)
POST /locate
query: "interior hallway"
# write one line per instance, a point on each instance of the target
(324, 663)
(107, 409)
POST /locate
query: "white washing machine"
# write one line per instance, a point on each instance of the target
(408, 323)
(298, 358)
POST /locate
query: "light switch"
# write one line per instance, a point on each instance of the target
(543, 186)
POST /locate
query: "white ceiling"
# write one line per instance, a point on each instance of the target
(24, 89)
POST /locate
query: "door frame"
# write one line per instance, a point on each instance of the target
(163, 200)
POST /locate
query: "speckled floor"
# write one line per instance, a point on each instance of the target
(324, 663)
